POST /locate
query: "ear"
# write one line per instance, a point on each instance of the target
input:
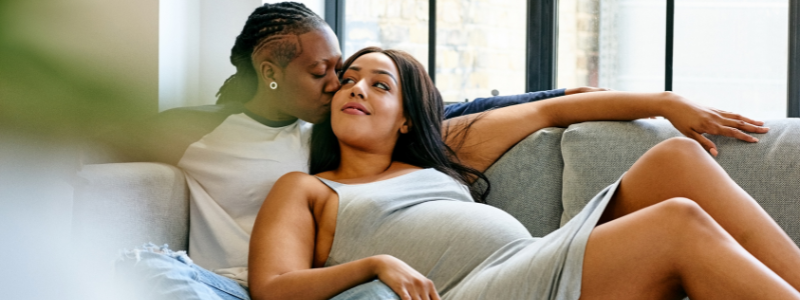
(270, 71)
(406, 126)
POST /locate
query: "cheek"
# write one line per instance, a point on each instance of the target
(392, 108)
(306, 96)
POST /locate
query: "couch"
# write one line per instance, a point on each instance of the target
(543, 181)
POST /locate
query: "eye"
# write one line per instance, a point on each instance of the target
(380, 85)
(346, 81)
(318, 76)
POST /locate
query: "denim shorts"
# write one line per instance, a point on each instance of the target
(153, 272)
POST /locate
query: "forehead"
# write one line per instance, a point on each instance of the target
(376, 60)
(318, 45)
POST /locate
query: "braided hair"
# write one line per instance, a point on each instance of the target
(273, 28)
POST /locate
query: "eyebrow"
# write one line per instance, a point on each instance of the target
(376, 71)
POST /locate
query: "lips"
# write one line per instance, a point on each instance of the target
(354, 108)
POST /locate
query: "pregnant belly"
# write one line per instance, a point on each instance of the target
(443, 240)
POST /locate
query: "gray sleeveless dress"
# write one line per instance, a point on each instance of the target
(469, 250)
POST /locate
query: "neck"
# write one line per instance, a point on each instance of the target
(264, 107)
(356, 163)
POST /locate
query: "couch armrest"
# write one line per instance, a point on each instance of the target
(124, 205)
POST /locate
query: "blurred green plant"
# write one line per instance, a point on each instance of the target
(69, 71)
(47, 95)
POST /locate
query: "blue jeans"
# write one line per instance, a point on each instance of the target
(153, 272)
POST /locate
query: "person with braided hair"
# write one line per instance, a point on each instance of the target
(287, 62)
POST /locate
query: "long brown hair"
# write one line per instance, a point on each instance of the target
(423, 146)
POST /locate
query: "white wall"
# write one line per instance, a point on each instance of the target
(195, 40)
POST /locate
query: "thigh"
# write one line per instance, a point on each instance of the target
(677, 167)
(629, 258)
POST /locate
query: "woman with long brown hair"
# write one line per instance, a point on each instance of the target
(391, 201)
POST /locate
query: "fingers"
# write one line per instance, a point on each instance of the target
(404, 295)
(418, 289)
(435, 295)
(705, 142)
(735, 116)
(424, 288)
(732, 129)
(743, 125)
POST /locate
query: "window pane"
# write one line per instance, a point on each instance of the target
(480, 47)
(616, 44)
(733, 55)
(401, 25)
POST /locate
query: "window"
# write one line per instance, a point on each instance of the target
(401, 25)
(732, 55)
(480, 48)
(618, 44)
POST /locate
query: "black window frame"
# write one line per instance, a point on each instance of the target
(793, 84)
(542, 45)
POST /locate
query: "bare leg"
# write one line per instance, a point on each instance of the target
(671, 247)
(679, 167)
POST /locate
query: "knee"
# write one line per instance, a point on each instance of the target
(689, 220)
(678, 149)
(680, 208)
(680, 145)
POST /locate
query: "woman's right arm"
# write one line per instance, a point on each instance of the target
(282, 251)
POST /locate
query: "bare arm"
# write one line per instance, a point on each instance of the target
(282, 248)
(494, 132)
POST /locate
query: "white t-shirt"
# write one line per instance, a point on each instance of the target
(231, 159)
(229, 172)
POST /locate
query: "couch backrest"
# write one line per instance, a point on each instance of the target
(543, 181)
(526, 181)
(597, 153)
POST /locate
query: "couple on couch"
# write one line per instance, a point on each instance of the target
(391, 195)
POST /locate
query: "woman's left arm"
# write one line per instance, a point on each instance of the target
(492, 133)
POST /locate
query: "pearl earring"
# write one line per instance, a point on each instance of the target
(273, 85)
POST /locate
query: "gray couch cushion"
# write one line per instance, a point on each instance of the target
(597, 153)
(526, 181)
(124, 205)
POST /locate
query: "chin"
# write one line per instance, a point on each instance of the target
(317, 118)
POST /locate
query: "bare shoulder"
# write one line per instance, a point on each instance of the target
(301, 183)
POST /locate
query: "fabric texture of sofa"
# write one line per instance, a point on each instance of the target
(543, 181)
